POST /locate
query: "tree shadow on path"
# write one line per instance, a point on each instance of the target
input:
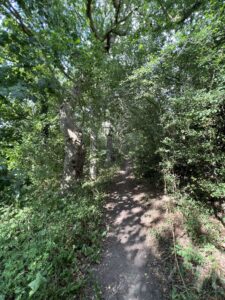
(131, 266)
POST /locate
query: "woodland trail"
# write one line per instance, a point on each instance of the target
(131, 267)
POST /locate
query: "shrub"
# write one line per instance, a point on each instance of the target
(45, 245)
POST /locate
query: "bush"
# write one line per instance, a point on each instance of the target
(45, 245)
(194, 144)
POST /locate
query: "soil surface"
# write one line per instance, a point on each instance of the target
(132, 266)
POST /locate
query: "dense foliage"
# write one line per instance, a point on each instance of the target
(83, 83)
(43, 246)
(179, 93)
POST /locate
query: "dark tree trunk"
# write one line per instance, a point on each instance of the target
(46, 126)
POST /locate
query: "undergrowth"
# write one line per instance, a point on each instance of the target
(48, 242)
(199, 257)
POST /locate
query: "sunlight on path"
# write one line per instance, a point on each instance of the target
(130, 268)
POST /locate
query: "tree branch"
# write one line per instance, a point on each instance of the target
(169, 17)
(89, 15)
(117, 6)
(185, 15)
(11, 10)
(188, 12)
(18, 18)
(107, 36)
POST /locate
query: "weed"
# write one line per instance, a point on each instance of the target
(197, 222)
(191, 256)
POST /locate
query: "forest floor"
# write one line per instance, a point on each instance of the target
(132, 263)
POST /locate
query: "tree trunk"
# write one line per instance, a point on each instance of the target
(93, 153)
(74, 148)
(109, 146)
(46, 126)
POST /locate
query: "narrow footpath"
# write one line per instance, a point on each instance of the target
(131, 267)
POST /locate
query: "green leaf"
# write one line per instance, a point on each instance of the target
(35, 284)
(78, 41)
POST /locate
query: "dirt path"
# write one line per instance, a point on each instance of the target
(131, 267)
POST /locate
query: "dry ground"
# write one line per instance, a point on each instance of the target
(131, 267)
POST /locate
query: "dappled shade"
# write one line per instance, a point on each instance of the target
(131, 266)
